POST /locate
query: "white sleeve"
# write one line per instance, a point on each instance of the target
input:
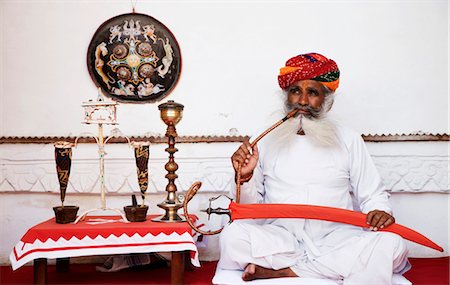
(365, 180)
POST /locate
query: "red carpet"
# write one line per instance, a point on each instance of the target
(426, 271)
(429, 271)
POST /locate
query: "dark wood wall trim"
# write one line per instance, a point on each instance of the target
(406, 138)
(214, 139)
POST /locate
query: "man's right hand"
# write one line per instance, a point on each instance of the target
(247, 157)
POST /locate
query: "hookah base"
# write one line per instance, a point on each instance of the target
(171, 215)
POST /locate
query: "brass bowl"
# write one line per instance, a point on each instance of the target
(136, 213)
(65, 214)
(171, 112)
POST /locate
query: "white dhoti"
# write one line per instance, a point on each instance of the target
(369, 258)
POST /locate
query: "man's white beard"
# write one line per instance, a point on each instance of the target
(321, 130)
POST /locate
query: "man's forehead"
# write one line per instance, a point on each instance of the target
(307, 83)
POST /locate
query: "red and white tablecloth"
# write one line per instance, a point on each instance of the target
(102, 235)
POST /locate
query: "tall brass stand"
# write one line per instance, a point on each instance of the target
(171, 114)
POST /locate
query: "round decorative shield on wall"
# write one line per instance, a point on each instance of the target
(134, 58)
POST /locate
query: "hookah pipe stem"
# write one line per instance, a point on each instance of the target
(196, 186)
(252, 144)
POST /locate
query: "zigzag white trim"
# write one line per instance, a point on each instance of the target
(25, 252)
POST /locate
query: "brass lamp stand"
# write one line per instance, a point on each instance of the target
(171, 114)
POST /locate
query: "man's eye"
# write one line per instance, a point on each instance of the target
(294, 90)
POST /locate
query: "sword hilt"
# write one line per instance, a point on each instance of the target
(218, 210)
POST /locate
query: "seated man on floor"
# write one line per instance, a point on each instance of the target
(312, 160)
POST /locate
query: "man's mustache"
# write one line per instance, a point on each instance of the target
(314, 112)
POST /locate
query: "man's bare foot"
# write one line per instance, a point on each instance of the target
(253, 271)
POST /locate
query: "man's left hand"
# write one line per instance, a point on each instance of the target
(379, 219)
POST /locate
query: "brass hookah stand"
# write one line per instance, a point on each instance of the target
(220, 211)
(171, 114)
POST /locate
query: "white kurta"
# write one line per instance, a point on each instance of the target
(302, 172)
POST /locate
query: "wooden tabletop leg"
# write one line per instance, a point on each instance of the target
(40, 271)
(177, 268)
(63, 264)
(188, 266)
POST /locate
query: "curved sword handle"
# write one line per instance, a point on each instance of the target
(189, 195)
(217, 211)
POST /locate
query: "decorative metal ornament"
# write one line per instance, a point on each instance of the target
(141, 155)
(134, 58)
(63, 159)
(100, 111)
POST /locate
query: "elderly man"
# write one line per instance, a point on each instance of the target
(312, 160)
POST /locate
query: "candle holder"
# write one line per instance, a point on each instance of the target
(171, 114)
(100, 112)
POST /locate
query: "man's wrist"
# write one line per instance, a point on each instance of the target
(244, 179)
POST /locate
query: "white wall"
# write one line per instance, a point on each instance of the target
(393, 57)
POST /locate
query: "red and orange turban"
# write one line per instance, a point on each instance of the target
(311, 66)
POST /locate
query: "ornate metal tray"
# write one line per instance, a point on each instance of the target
(134, 58)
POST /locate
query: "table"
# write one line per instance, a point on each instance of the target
(104, 235)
